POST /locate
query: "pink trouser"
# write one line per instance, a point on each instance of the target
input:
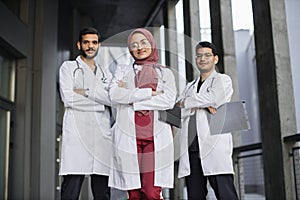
(148, 191)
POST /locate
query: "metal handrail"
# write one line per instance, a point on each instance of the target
(248, 147)
(292, 138)
(242, 149)
(294, 169)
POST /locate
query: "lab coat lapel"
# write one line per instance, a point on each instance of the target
(208, 82)
(89, 76)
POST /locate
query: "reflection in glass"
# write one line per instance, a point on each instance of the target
(7, 78)
(4, 152)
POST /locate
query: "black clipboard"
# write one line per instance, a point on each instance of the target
(171, 116)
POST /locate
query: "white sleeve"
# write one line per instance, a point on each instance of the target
(120, 95)
(70, 98)
(186, 112)
(184, 92)
(218, 92)
(162, 101)
(99, 91)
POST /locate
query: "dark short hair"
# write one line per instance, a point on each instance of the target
(206, 44)
(88, 30)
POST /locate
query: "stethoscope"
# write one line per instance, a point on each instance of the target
(155, 66)
(80, 69)
(193, 85)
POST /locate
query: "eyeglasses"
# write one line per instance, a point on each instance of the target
(204, 55)
(142, 44)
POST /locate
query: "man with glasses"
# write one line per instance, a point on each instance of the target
(204, 156)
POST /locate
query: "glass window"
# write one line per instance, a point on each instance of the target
(205, 26)
(4, 142)
(180, 43)
(242, 16)
(7, 91)
(162, 46)
(7, 78)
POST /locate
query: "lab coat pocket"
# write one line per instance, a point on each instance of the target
(217, 144)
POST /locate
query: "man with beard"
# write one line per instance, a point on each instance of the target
(86, 136)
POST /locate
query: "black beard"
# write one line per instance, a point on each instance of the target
(84, 54)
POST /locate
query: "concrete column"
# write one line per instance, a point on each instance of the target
(171, 39)
(195, 25)
(48, 171)
(172, 48)
(276, 98)
(229, 59)
(195, 30)
(223, 38)
(43, 172)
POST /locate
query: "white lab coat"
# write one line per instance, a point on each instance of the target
(215, 150)
(86, 135)
(125, 173)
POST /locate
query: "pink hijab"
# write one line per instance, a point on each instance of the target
(153, 58)
(146, 78)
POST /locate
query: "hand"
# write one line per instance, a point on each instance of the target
(121, 84)
(212, 110)
(181, 103)
(193, 110)
(155, 93)
(80, 91)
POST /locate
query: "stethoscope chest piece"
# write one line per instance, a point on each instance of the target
(104, 80)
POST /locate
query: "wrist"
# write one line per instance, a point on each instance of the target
(181, 103)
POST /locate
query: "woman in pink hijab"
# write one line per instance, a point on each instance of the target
(143, 145)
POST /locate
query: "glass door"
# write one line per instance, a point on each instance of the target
(4, 151)
(7, 107)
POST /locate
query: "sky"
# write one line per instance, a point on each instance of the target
(241, 14)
